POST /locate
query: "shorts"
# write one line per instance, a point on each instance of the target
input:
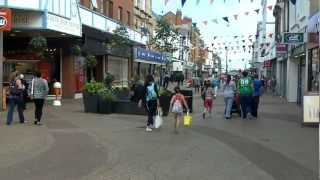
(208, 103)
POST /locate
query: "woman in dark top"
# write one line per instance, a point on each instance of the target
(150, 99)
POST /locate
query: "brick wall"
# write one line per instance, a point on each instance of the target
(110, 8)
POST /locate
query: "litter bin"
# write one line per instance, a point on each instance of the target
(188, 94)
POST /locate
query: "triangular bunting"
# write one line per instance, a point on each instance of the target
(235, 16)
(293, 2)
(226, 19)
(166, 2)
(257, 11)
(198, 1)
(183, 2)
(246, 13)
(205, 23)
(270, 7)
(215, 21)
(271, 35)
(211, 1)
(235, 37)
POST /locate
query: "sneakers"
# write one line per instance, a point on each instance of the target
(148, 129)
(203, 115)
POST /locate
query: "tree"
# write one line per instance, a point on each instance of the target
(166, 38)
(120, 43)
(91, 62)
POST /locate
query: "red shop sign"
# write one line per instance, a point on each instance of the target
(5, 19)
(267, 64)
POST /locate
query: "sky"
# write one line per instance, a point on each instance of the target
(220, 32)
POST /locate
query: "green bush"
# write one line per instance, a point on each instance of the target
(107, 95)
(93, 87)
(76, 50)
(108, 80)
(165, 92)
(38, 44)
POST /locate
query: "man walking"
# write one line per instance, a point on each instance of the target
(245, 90)
(257, 85)
(166, 80)
(38, 92)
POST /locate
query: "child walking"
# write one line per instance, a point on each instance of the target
(176, 105)
(207, 94)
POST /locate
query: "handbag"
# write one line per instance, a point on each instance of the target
(158, 119)
(187, 119)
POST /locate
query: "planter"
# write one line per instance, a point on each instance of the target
(127, 107)
(123, 95)
(165, 104)
(188, 94)
(90, 102)
(104, 107)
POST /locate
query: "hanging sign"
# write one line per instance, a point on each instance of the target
(281, 48)
(5, 19)
(293, 38)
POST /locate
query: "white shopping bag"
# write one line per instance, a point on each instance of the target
(158, 119)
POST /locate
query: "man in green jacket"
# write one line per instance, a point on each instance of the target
(245, 85)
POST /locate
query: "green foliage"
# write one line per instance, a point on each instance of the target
(108, 80)
(91, 61)
(107, 95)
(38, 44)
(165, 92)
(76, 50)
(93, 87)
(166, 37)
(120, 43)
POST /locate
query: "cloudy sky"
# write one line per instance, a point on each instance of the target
(242, 23)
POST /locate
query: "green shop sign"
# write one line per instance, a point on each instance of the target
(293, 38)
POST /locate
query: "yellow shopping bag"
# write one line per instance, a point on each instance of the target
(187, 119)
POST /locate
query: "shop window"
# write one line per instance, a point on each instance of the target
(105, 7)
(314, 68)
(120, 10)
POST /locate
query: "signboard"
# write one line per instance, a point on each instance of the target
(5, 20)
(311, 109)
(293, 38)
(151, 56)
(32, 20)
(267, 64)
(281, 48)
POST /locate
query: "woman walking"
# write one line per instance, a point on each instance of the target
(229, 90)
(38, 92)
(176, 106)
(151, 100)
(16, 89)
(207, 95)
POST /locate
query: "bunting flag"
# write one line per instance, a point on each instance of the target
(166, 2)
(251, 1)
(215, 39)
(211, 1)
(226, 19)
(250, 40)
(243, 41)
(198, 1)
(183, 2)
(271, 35)
(246, 13)
(215, 21)
(270, 7)
(293, 2)
(205, 23)
(235, 16)
(257, 11)
(235, 37)
(250, 36)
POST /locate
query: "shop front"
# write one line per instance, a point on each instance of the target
(149, 62)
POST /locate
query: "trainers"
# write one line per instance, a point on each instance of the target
(203, 115)
(148, 129)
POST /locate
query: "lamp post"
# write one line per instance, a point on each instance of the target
(226, 48)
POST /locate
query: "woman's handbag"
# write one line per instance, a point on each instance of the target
(158, 119)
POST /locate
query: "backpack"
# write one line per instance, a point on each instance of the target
(151, 92)
(177, 104)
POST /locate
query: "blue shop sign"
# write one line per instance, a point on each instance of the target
(151, 56)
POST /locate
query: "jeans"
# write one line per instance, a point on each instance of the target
(255, 105)
(39, 106)
(228, 106)
(152, 110)
(246, 102)
(12, 104)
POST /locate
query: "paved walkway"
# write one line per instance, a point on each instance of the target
(76, 145)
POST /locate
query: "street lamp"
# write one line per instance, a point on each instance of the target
(226, 48)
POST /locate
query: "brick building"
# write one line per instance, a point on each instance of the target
(120, 10)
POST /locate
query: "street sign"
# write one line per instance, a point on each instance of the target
(293, 38)
(281, 48)
(5, 20)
